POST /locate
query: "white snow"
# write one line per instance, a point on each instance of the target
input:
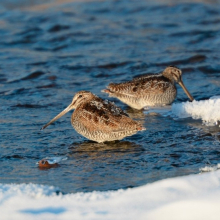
(207, 110)
(190, 197)
(210, 168)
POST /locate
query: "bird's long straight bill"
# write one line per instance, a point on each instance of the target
(58, 116)
(186, 91)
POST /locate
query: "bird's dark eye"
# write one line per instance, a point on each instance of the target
(80, 96)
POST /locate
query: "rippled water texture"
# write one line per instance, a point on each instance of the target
(51, 50)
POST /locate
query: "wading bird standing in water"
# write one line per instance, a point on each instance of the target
(150, 89)
(99, 120)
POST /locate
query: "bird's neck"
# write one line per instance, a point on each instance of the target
(169, 77)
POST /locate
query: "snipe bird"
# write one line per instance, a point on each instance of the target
(150, 89)
(97, 119)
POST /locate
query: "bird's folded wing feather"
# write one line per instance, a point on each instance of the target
(140, 86)
(104, 117)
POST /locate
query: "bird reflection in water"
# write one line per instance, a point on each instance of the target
(104, 150)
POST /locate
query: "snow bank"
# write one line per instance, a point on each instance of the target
(191, 197)
(207, 110)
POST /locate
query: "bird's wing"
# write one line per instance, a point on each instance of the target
(152, 85)
(138, 86)
(105, 116)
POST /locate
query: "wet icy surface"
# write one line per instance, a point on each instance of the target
(49, 52)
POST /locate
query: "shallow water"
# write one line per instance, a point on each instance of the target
(53, 49)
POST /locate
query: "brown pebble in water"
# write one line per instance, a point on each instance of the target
(45, 164)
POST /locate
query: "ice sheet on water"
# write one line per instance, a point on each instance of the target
(206, 110)
(164, 199)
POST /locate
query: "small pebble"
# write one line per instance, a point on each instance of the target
(50, 162)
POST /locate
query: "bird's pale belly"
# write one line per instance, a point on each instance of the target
(149, 99)
(99, 135)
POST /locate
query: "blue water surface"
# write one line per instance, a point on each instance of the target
(51, 49)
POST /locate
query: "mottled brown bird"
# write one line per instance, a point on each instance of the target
(150, 89)
(99, 120)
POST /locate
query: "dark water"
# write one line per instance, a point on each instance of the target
(50, 51)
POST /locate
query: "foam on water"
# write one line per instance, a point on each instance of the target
(206, 110)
